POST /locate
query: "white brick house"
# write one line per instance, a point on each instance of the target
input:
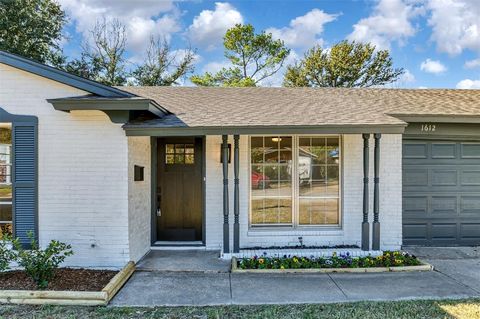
(117, 171)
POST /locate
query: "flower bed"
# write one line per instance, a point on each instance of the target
(68, 287)
(66, 279)
(389, 259)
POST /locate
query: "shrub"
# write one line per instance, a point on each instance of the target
(40, 264)
(7, 254)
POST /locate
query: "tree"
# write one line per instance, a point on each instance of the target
(346, 64)
(84, 66)
(254, 57)
(32, 28)
(103, 59)
(162, 67)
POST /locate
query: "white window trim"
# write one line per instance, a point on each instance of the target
(295, 227)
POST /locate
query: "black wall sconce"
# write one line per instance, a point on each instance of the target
(138, 173)
(229, 153)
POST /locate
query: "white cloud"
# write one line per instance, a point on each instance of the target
(468, 84)
(433, 66)
(390, 21)
(142, 18)
(209, 27)
(304, 31)
(407, 77)
(471, 64)
(455, 25)
(215, 66)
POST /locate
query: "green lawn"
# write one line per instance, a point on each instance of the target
(382, 310)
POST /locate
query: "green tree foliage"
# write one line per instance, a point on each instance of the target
(32, 28)
(103, 56)
(162, 66)
(254, 57)
(346, 64)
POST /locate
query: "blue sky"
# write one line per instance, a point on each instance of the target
(436, 41)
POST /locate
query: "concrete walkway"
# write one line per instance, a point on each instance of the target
(172, 288)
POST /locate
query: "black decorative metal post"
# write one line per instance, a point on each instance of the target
(226, 235)
(236, 198)
(365, 225)
(376, 199)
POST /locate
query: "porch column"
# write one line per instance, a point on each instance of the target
(226, 237)
(236, 199)
(365, 225)
(376, 200)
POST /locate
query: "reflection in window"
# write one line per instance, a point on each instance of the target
(271, 180)
(318, 180)
(312, 161)
(5, 179)
(179, 154)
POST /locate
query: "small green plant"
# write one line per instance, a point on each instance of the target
(7, 254)
(40, 264)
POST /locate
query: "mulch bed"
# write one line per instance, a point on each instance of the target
(65, 279)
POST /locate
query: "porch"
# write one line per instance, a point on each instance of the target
(226, 212)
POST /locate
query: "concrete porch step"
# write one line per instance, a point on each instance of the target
(206, 261)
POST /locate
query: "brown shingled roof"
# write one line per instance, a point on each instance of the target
(214, 107)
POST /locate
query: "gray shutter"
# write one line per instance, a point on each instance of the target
(25, 205)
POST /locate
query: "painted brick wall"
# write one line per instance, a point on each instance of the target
(349, 233)
(83, 188)
(139, 197)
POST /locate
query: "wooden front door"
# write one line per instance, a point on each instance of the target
(179, 189)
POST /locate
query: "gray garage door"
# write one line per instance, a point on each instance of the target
(441, 192)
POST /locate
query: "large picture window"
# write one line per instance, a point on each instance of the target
(5, 179)
(295, 180)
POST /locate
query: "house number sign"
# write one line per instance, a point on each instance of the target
(427, 128)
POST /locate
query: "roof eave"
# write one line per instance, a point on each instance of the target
(438, 118)
(132, 130)
(57, 75)
(108, 104)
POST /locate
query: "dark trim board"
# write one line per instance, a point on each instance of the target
(132, 130)
(108, 104)
(66, 78)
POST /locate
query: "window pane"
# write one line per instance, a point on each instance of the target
(189, 149)
(5, 179)
(285, 211)
(332, 151)
(6, 192)
(5, 229)
(5, 212)
(256, 144)
(169, 159)
(318, 150)
(179, 148)
(271, 211)
(179, 159)
(331, 211)
(257, 211)
(189, 158)
(170, 148)
(319, 176)
(319, 172)
(332, 180)
(271, 182)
